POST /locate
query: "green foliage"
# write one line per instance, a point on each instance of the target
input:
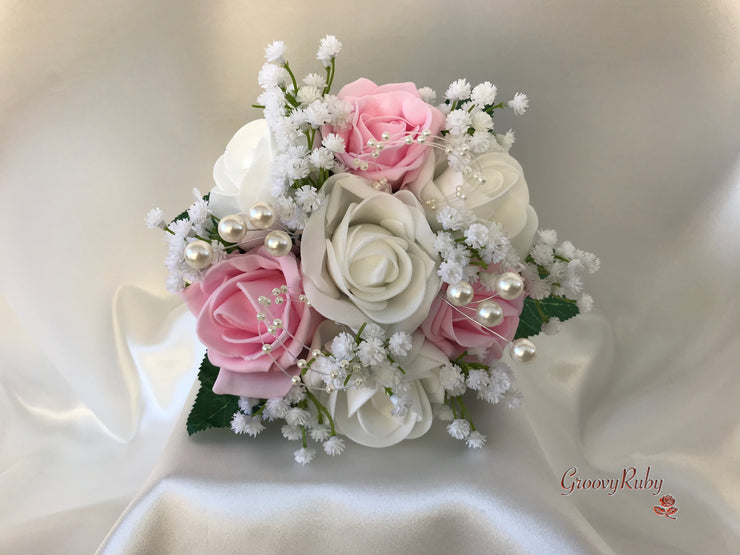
(535, 313)
(210, 410)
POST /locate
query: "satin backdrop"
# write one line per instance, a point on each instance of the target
(630, 149)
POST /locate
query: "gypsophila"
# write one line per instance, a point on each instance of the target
(519, 103)
(274, 52)
(328, 49)
(304, 455)
(459, 428)
(334, 446)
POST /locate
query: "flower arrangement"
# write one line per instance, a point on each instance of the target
(365, 262)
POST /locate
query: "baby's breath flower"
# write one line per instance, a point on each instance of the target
(476, 236)
(315, 80)
(519, 103)
(542, 254)
(585, 302)
(292, 433)
(458, 122)
(451, 377)
(428, 95)
(307, 198)
(400, 344)
(296, 394)
(329, 47)
(297, 417)
(304, 455)
(483, 94)
(566, 250)
(246, 404)
(481, 121)
(475, 440)
(308, 94)
(333, 143)
(155, 218)
(371, 351)
(459, 428)
(513, 398)
(334, 446)
(272, 75)
(320, 432)
(458, 90)
(343, 346)
(507, 140)
(478, 379)
(450, 271)
(445, 414)
(276, 408)
(552, 326)
(274, 52)
(318, 113)
(244, 424)
(547, 236)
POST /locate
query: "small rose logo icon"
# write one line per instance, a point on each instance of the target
(667, 509)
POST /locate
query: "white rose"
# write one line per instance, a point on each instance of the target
(364, 415)
(242, 173)
(369, 256)
(503, 197)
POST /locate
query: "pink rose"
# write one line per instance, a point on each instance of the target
(226, 306)
(396, 109)
(454, 329)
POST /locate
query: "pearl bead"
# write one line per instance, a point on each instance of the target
(509, 285)
(266, 348)
(333, 374)
(261, 215)
(385, 135)
(489, 313)
(409, 140)
(198, 255)
(278, 243)
(232, 229)
(278, 323)
(301, 363)
(316, 353)
(522, 350)
(371, 143)
(296, 380)
(460, 294)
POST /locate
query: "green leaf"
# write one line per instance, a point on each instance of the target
(210, 410)
(535, 313)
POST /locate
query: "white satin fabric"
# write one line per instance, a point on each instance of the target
(630, 149)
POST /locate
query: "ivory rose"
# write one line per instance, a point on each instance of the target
(503, 197)
(364, 415)
(454, 329)
(369, 256)
(242, 173)
(226, 305)
(396, 109)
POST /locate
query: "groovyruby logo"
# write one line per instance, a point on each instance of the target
(629, 480)
(667, 507)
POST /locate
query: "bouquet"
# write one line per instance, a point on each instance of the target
(366, 263)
